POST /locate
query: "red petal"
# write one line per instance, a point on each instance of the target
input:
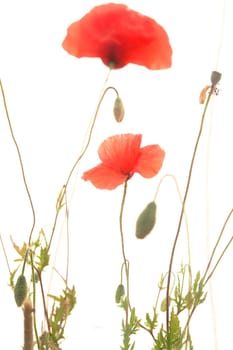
(154, 50)
(150, 161)
(119, 36)
(121, 152)
(104, 177)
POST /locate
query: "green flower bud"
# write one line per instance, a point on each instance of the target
(20, 290)
(120, 292)
(118, 109)
(146, 221)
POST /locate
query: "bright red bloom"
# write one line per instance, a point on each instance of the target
(121, 157)
(119, 35)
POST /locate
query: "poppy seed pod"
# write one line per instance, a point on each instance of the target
(215, 77)
(118, 109)
(20, 290)
(120, 292)
(146, 221)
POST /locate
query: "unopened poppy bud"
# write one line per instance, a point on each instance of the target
(120, 292)
(118, 109)
(20, 290)
(146, 221)
(215, 77)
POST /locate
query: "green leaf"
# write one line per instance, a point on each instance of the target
(174, 329)
(128, 330)
(43, 258)
(151, 322)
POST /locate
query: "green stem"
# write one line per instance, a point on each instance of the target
(126, 264)
(20, 162)
(184, 204)
(90, 134)
(206, 279)
(5, 254)
(65, 186)
(34, 303)
(184, 214)
(64, 189)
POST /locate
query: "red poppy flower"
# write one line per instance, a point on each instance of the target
(121, 157)
(119, 35)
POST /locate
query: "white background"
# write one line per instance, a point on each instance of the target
(51, 99)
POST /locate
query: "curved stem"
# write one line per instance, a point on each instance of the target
(74, 167)
(20, 162)
(63, 193)
(64, 188)
(183, 205)
(90, 133)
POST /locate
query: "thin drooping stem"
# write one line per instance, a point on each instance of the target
(63, 200)
(21, 164)
(184, 204)
(90, 133)
(126, 264)
(63, 193)
(64, 189)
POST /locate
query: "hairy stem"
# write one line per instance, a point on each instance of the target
(126, 264)
(20, 162)
(65, 186)
(206, 279)
(34, 302)
(183, 206)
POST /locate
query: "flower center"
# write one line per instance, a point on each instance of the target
(112, 54)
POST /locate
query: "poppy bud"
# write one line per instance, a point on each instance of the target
(120, 292)
(20, 290)
(215, 77)
(118, 109)
(146, 221)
